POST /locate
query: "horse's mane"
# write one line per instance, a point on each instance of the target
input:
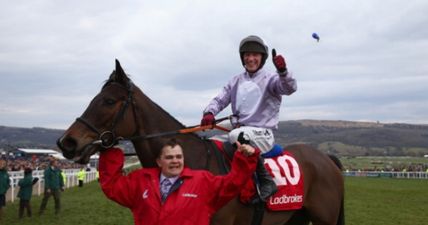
(128, 85)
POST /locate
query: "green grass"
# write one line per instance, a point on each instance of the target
(79, 206)
(385, 201)
(369, 201)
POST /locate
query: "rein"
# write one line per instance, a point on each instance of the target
(182, 131)
(107, 139)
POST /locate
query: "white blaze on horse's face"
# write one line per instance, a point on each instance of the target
(171, 161)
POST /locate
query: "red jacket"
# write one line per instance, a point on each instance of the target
(199, 195)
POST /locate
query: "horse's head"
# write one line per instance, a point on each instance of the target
(110, 116)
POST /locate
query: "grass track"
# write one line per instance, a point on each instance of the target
(385, 201)
(369, 201)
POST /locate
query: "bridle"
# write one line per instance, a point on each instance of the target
(108, 138)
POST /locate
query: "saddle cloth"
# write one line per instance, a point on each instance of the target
(288, 177)
(286, 173)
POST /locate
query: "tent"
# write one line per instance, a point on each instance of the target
(50, 152)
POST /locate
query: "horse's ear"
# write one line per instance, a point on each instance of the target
(119, 69)
(119, 75)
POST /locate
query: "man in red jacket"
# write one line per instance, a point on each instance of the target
(191, 196)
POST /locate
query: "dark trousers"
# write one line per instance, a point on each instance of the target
(24, 204)
(2, 204)
(56, 194)
(80, 183)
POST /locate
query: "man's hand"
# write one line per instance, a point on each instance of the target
(279, 62)
(245, 149)
(208, 119)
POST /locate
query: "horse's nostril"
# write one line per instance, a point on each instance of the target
(70, 143)
(68, 146)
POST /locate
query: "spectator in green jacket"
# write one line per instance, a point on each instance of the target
(54, 184)
(25, 192)
(81, 175)
(4, 185)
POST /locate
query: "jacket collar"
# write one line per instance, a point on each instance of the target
(247, 74)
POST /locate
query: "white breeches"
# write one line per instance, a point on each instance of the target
(261, 138)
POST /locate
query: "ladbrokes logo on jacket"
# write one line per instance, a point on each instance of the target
(189, 195)
(145, 193)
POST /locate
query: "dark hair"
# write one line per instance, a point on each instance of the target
(28, 171)
(52, 160)
(171, 142)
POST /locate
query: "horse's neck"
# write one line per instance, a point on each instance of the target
(154, 120)
(145, 153)
(197, 152)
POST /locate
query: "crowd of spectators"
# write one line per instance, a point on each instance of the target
(35, 162)
(404, 167)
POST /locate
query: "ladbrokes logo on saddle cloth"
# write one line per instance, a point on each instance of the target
(289, 179)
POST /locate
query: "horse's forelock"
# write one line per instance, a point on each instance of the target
(119, 78)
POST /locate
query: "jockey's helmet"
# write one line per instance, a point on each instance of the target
(253, 43)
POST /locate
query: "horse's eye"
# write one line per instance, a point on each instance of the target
(109, 101)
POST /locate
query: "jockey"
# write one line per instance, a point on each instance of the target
(255, 96)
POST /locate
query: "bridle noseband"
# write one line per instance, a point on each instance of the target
(108, 138)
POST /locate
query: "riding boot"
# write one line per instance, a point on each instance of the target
(266, 184)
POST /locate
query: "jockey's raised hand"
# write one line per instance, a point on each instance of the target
(208, 119)
(279, 62)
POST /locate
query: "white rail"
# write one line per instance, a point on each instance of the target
(401, 175)
(38, 188)
(70, 181)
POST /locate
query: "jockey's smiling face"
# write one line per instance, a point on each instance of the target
(252, 61)
(171, 161)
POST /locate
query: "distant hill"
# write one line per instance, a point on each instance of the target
(356, 138)
(344, 138)
(35, 137)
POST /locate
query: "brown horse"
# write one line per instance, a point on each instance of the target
(122, 111)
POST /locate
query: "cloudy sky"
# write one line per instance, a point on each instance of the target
(370, 65)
